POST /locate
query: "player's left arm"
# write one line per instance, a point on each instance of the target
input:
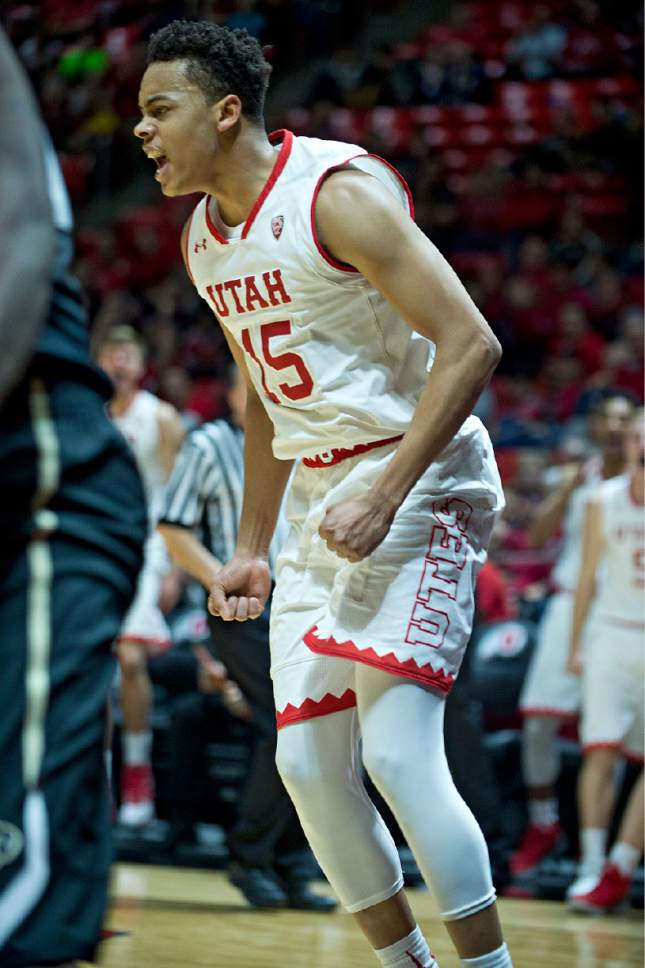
(171, 435)
(360, 223)
(592, 547)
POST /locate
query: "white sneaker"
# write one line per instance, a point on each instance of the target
(587, 877)
(136, 814)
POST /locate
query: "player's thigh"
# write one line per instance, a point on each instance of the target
(611, 691)
(548, 686)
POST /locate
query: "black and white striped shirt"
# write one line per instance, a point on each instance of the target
(205, 490)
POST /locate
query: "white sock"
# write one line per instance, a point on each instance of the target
(500, 958)
(136, 747)
(544, 813)
(625, 857)
(410, 952)
(593, 845)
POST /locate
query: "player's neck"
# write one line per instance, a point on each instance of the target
(245, 164)
(122, 402)
(612, 466)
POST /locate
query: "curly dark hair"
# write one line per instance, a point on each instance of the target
(219, 60)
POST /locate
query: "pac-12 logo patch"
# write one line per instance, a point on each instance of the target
(277, 224)
(11, 842)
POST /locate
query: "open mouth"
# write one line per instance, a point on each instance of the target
(162, 165)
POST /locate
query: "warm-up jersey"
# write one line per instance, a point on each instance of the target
(621, 588)
(567, 567)
(139, 425)
(334, 364)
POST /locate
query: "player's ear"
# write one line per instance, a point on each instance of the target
(227, 112)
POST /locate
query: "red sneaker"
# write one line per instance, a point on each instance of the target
(536, 844)
(609, 894)
(137, 795)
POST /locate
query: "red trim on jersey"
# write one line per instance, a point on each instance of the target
(548, 711)
(212, 228)
(186, 246)
(278, 168)
(409, 669)
(311, 708)
(618, 747)
(276, 171)
(343, 266)
(337, 454)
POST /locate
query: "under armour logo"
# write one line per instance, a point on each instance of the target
(200, 245)
(277, 224)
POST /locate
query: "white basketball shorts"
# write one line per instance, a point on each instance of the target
(549, 690)
(144, 623)
(406, 609)
(613, 693)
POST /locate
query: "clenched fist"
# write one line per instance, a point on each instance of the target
(241, 589)
(353, 529)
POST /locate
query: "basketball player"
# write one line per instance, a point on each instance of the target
(612, 577)
(551, 695)
(154, 431)
(364, 358)
(71, 551)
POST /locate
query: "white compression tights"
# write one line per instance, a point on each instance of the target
(401, 725)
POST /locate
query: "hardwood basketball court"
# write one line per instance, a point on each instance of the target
(168, 917)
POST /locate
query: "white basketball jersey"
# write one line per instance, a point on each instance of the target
(567, 567)
(621, 589)
(334, 364)
(139, 425)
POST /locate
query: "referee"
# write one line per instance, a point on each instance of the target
(269, 853)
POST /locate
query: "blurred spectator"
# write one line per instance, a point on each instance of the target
(337, 83)
(536, 52)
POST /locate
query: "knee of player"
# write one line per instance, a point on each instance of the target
(387, 765)
(299, 770)
(132, 658)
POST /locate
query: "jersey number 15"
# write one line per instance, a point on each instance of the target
(281, 361)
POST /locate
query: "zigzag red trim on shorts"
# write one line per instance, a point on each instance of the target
(311, 708)
(410, 669)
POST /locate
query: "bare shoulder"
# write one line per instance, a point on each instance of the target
(351, 197)
(356, 214)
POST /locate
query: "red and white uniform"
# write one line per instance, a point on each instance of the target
(549, 689)
(613, 670)
(144, 622)
(340, 374)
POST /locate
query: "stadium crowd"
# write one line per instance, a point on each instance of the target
(518, 126)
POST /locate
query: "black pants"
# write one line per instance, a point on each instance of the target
(267, 831)
(68, 568)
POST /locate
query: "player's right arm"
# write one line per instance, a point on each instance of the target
(550, 513)
(26, 221)
(242, 587)
(592, 546)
